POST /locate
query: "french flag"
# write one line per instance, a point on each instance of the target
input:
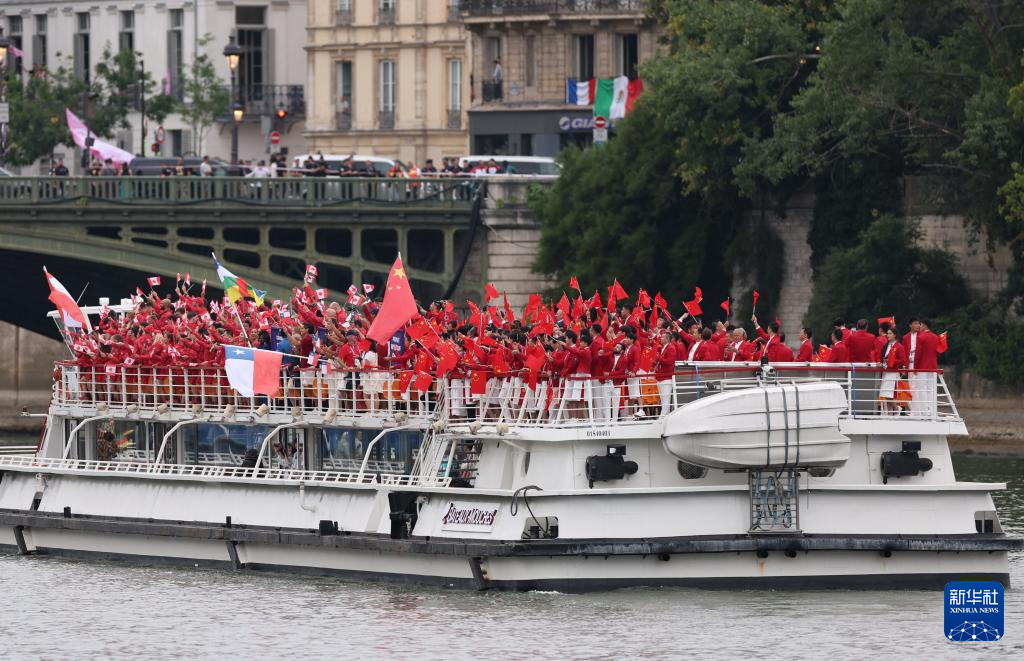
(580, 93)
(253, 371)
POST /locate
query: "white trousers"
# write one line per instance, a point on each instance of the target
(922, 390)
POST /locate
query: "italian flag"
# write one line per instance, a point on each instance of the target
(612, 98)
(236, 288)
(70, 313)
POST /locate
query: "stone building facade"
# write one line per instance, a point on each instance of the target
(540, 45)
(387, 78)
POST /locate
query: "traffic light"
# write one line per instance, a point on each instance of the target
(282, 113)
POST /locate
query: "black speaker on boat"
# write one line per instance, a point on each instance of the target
(904, 463)
(611, 466)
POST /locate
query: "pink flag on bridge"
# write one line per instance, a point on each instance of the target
(100, 149)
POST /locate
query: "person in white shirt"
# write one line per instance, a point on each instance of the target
(261, 171)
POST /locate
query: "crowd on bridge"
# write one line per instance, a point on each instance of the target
(277, 166)
(602, 356)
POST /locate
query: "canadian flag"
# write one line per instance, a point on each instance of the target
(188, 280)
(352, 290)
(368, 288)
(355, 299)
(129, 361)
(321, 294)
(111, 369)
(70, 313)
(153, 281)
(311, 270)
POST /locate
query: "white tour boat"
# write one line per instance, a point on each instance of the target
(752, 476)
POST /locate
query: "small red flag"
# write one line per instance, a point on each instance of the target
(619, 291)
(153, 281)
(563, 305)
(509, 316)
(490, 292)
(404, 380)
(890, 320)
(757, 295)
(660, 302)
(693, 307)
(725, 305)
(477, 382)
(643, 300)
(423, 381)
(575, 284)
(943, 342)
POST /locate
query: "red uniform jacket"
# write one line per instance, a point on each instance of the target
(896, 359)
(840, 354)
(806, 352)
(926, 356)
(666, 362)
(861, 345)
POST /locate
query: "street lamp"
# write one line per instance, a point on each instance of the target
(142, 106)
(233, 53)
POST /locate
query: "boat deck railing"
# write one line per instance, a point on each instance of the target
(326, 477)
(373, 397)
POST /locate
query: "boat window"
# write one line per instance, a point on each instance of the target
(821, 472)
(222, 445)
(342, 449)
(124, 441)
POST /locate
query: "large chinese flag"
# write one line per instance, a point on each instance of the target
(398, 307)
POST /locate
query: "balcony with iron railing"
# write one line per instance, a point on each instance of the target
(490, 8)
(386, 15)
(386, 119)
(265, 100)
(343, 17)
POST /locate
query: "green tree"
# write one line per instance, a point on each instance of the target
(886, 272)
(38, 122)
(206, 97)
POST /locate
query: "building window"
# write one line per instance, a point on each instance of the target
(454, 84)
(344, 13)
(126, 39)
(627, 55)
(39, 43)
(387, 85)
(175, 53)
(530, 66)
(454, 94)
(81, 56)
(252, 38)
(343, 109)
(386, 12)
(14, 28)
(583, 56)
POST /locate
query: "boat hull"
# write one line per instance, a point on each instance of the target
(711, 562)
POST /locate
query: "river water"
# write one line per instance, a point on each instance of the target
(62, 609)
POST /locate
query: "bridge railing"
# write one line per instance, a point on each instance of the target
(276, 191)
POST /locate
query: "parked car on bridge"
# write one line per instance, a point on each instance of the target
(154, 167)
(517, 164)
(334, 161)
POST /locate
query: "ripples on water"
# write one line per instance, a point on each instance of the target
(56, 608)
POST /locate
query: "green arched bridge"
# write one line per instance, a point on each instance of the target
(110, 233)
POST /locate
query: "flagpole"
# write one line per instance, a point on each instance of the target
(241, 323)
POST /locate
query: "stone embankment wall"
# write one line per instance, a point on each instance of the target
(26, 370)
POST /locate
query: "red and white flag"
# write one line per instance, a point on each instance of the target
(352, 290)
(188, 280)
(311, 270)
(70, 313)
(368, 288)
(355, 299)
(321, 294)
(153, 281)
(111, 369)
